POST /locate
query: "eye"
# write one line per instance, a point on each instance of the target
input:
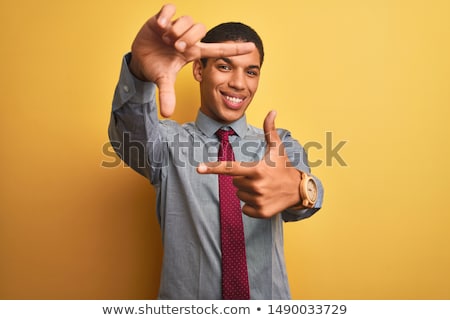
(224, 67)
(253, 73)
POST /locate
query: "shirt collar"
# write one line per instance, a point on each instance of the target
(209, 126)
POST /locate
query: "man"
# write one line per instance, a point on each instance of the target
(210, 251)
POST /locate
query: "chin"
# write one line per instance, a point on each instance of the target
(229, 118)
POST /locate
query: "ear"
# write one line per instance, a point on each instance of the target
(197, 70)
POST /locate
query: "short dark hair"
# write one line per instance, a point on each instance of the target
(233, 31)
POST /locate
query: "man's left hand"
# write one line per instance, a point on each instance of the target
(268, 186)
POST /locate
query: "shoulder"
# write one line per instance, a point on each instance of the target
(171, 127)
(284, 134)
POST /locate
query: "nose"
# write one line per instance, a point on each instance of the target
(237, 80)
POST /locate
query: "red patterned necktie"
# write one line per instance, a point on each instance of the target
(234, 262)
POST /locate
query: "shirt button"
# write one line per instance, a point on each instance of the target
(126, 89)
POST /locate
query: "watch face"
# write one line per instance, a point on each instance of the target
(311, 188)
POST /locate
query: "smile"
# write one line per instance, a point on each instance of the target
(234, 100)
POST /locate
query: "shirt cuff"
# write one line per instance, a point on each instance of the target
(291, 214)
(131, 89)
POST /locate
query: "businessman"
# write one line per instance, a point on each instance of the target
(224, 187)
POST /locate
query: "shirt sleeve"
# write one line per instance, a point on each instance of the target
(299, 159)
(134, 129)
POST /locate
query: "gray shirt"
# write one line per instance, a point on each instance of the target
(187, 207)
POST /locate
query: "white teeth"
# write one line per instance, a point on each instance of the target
(234, 99)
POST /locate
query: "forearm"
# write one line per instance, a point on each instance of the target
(134, 128)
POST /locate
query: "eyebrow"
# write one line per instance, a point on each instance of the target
(230, 61)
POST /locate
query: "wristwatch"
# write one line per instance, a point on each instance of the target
(308, 192)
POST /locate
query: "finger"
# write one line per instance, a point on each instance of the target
(190, 37)
(167, 99)
(180, 26)
(231, 168)
(270, 130)
(275, 148)
(251, 211)
(217, 50)
(245, 184)
(177, 28)
(164, 16)
(249, 199)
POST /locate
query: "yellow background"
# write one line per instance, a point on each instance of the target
(374, 73)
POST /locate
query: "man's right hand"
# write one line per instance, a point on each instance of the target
(162, 47)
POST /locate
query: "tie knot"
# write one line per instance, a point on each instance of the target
(224, 134)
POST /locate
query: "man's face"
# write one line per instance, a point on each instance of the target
(227, 85)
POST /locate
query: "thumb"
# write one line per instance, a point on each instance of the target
(275, 151)
(167, 99)
(270, 131)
